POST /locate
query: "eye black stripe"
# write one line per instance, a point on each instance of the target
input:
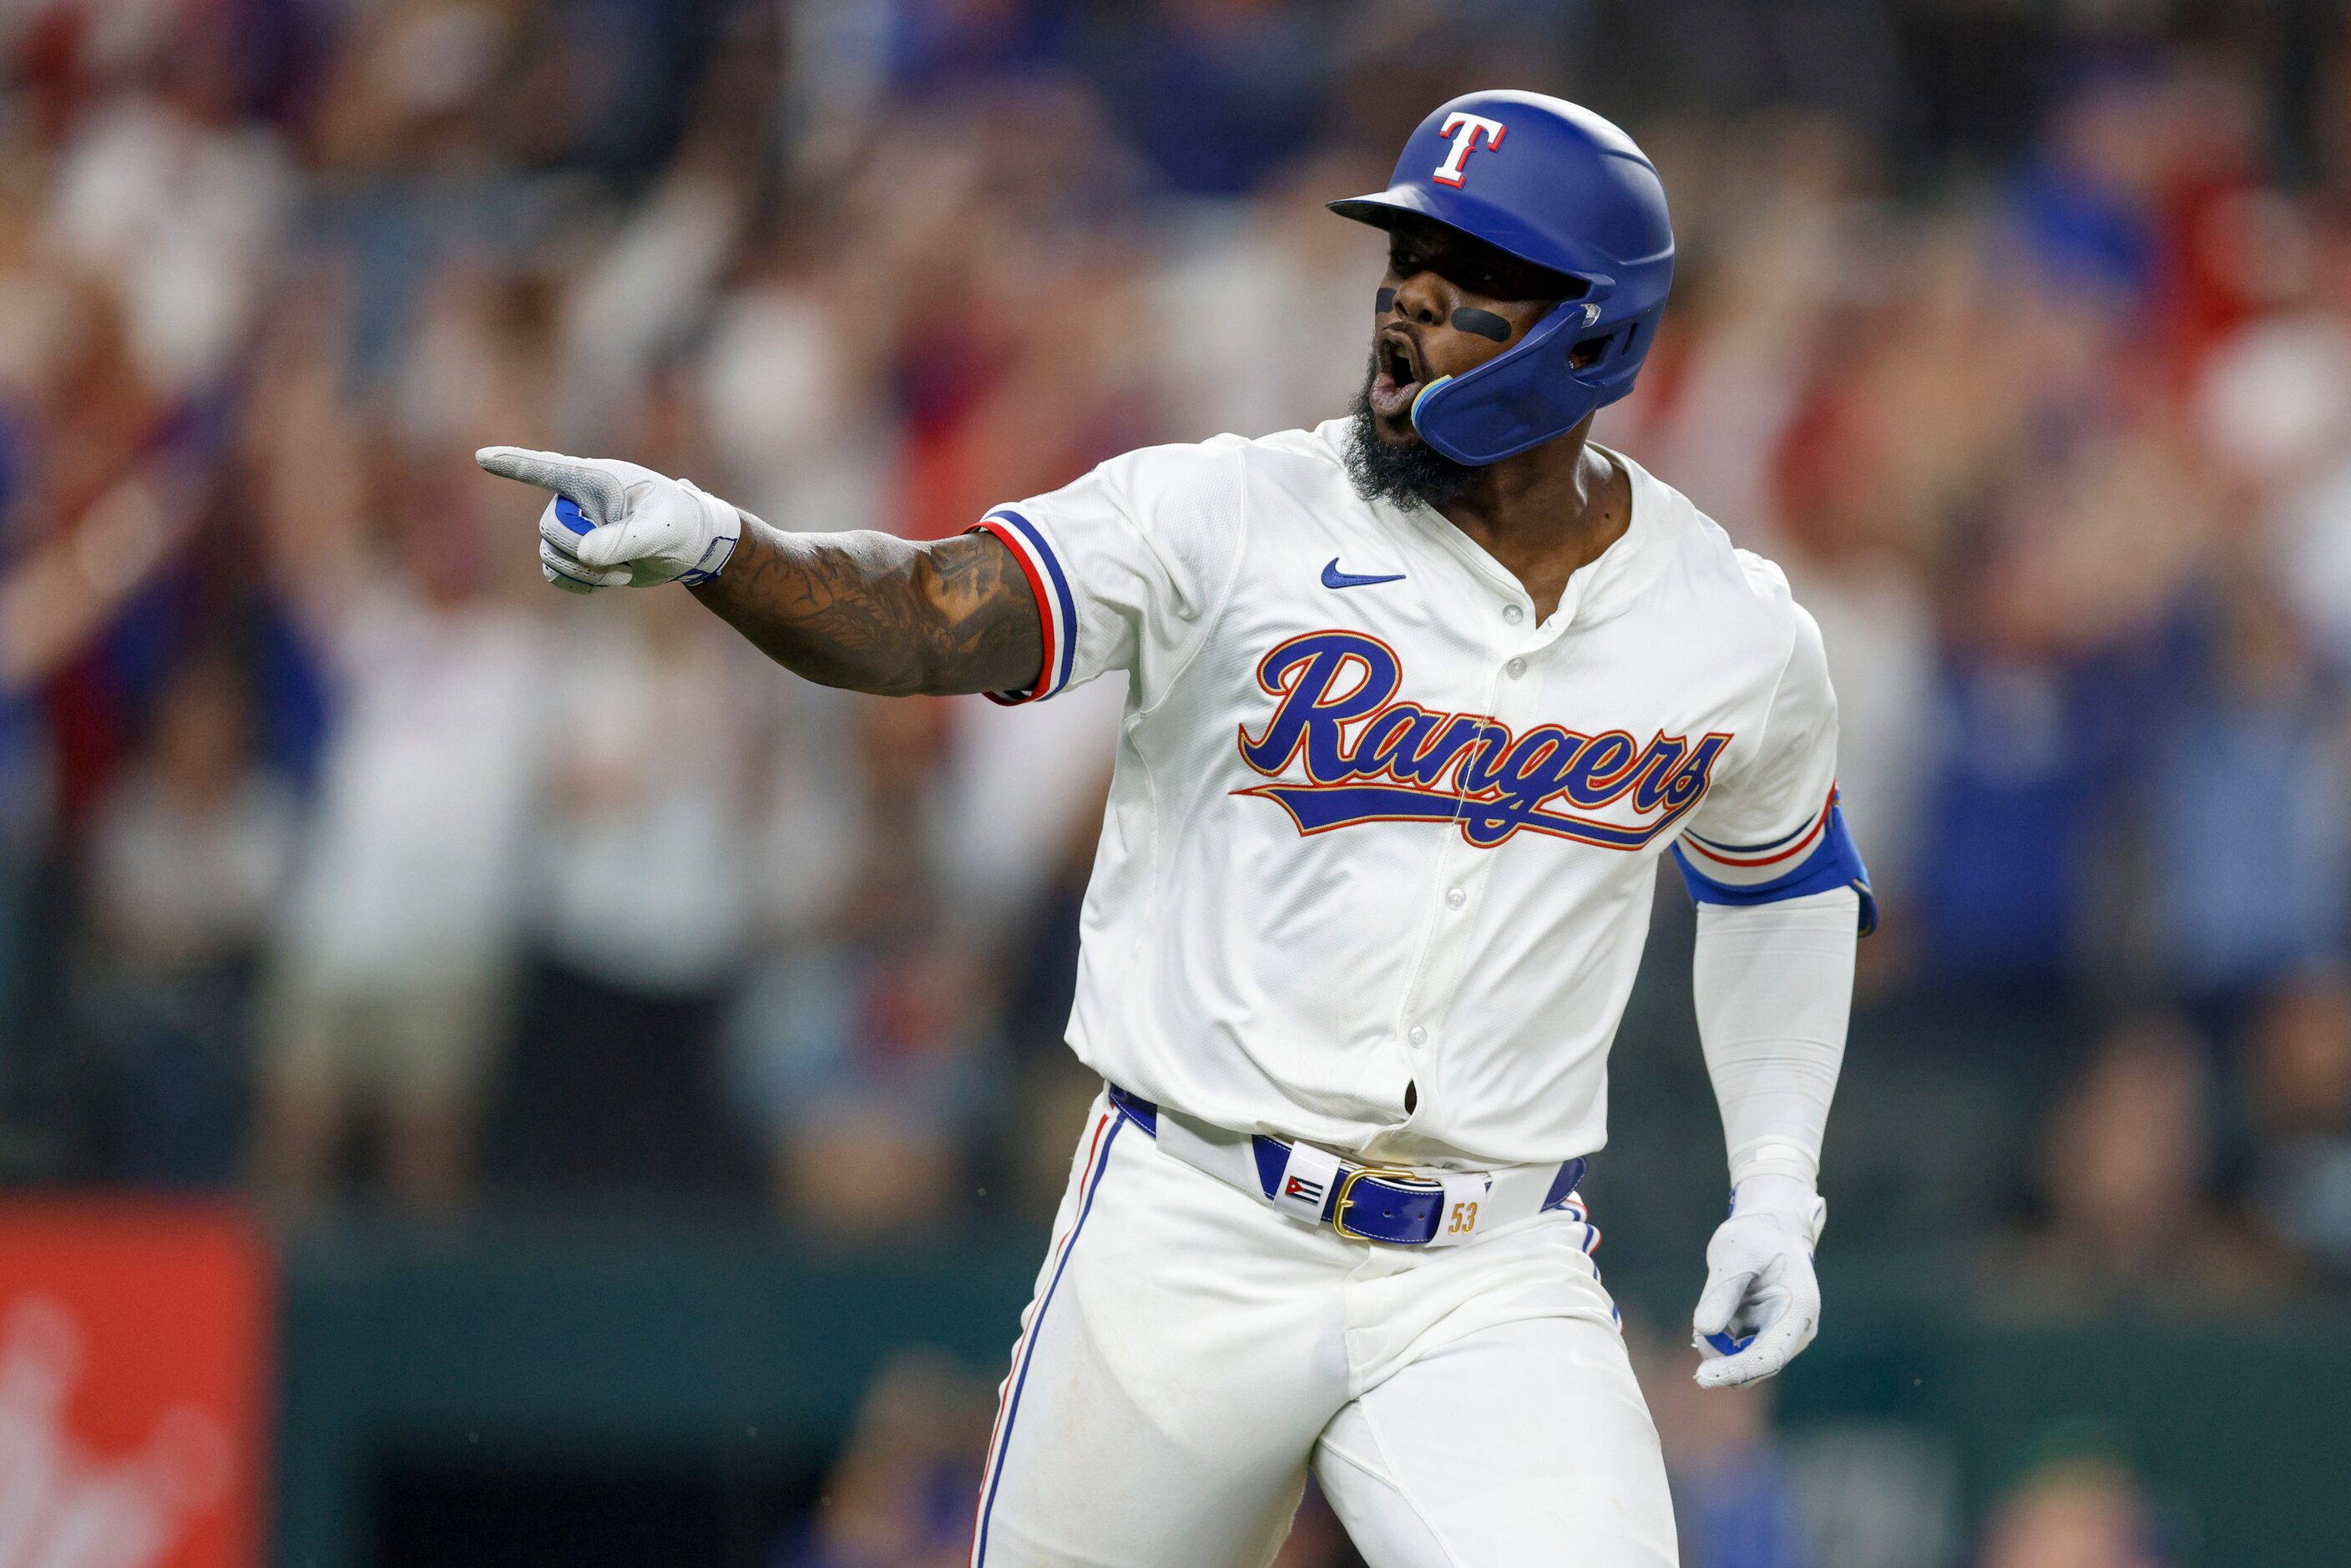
(1383, 301)
(1484, 323)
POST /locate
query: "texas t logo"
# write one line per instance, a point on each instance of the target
(1450, 172)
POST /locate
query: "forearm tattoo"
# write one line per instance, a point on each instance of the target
(876, 613)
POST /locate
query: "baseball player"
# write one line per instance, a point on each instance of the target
(1415, 700)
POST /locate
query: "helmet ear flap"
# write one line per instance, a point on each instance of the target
(1604, 354)
(1616, 369)
(1519, 399)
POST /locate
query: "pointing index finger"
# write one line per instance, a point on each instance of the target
(599, 494)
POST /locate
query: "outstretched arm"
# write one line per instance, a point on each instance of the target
(864, 611)
(876, 613)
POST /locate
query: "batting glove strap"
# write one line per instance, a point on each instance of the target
(725, 529)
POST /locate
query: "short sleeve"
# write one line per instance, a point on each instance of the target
(1773, 830)
(1128, 564)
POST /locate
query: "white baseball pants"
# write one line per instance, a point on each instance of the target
(1190, 1353)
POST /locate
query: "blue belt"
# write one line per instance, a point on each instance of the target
(1366, 1202)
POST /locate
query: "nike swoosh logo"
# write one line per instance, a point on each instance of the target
(1334, 577)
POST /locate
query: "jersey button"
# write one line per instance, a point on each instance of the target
(1419, 1036)
(1455, 898)
(1517, 667)
(1513, 614)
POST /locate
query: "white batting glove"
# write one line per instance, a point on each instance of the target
(613, 524)
(1762, 1304)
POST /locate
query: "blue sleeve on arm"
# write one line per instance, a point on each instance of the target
(1748, 874)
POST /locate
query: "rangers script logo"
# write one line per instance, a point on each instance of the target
(1371, 759)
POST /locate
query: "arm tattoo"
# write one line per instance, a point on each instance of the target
(877, 613)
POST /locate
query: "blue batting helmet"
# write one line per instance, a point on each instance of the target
(1555, 184)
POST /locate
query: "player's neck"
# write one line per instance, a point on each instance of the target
(1545, 513)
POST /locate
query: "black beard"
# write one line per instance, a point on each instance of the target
(1414, 471)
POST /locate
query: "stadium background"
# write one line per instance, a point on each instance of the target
(489, 1078)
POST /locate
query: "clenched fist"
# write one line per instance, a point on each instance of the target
(1762, 1304)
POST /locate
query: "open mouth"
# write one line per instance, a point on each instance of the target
(1396, 379)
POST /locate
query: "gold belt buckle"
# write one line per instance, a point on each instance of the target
(1347, 1186)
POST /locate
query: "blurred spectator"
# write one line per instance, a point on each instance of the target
(2042, 715)
(2131, 1221)
(2300, 1111)
(795, 402)
(2075, 1512)
(479, 357)
(2250, 810)
(101, 478)
(395, 958)
(188, 856)
(901, 1496)
(644, 894)
(177, 201)
(412, 162)
(2086, 205)
(858, 1057)
(1278, 275)
(1015, 360)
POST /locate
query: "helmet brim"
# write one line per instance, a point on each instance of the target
(1499, 230)
(1379, 210)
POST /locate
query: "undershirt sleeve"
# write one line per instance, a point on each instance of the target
(1773, 984)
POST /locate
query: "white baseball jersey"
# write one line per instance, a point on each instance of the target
(1377, 865)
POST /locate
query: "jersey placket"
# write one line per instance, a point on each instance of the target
(1463, 870)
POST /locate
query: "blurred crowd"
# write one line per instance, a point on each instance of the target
(339, 860)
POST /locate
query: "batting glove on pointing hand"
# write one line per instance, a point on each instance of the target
(613, 524)
(1761, 1304)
